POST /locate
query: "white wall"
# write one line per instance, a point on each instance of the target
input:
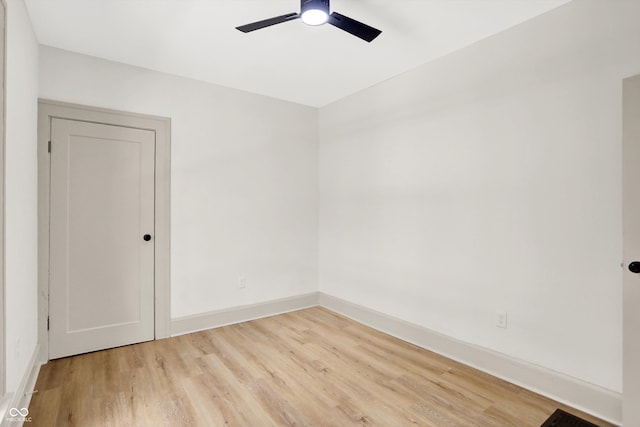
(244, 179)
(490, 180)
(21, 311)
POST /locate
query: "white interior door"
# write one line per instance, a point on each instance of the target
(631, 250)
(101, 289)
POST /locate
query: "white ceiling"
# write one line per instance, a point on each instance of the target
(291, 61)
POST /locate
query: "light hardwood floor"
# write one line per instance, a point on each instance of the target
(307, 368)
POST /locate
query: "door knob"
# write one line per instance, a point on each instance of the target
(147, 237)
(634, 267)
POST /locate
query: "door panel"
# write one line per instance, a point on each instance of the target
(631, 251)
(101, 269)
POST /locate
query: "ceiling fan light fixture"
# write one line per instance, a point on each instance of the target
(314, 12)
(314, 17)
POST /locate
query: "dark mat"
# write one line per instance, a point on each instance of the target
(561, 418)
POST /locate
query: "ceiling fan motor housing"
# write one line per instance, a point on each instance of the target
(306, 5)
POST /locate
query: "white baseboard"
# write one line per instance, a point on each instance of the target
(214, 319)
(589, 398)
(5, 403)
(22, 396)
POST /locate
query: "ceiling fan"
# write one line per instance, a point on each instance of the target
(316, 12)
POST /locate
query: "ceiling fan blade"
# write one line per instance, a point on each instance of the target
(267, 22)
(354, 27)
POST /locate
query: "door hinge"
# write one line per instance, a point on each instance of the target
(49, 147)
(47, 323)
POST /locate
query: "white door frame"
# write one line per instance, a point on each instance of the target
(3, 67)
(162, 127)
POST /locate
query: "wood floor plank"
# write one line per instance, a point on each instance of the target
(311, 367)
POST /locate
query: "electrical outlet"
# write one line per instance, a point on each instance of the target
(501, 319)
(242, 283)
